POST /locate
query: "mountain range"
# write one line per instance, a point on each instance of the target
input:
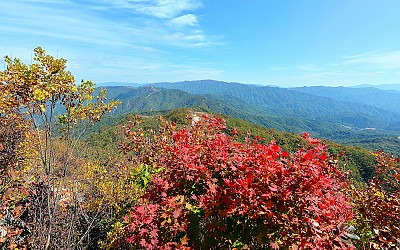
(363, 116)
(380, 86)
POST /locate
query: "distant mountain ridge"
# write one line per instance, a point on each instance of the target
(384, 99)
(289, 102)
(395, 86)
(283, 109)
(121, 84)
(148, 98)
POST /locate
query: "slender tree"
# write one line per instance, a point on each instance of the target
(56, 113)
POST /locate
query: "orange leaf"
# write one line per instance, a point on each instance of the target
(274, 245)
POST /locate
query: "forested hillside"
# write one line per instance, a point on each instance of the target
(107, 133)
(384, 99)
(286, 102)
(273, 114)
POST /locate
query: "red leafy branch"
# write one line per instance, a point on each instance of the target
(213, 191)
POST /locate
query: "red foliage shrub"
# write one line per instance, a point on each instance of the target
(212, 192)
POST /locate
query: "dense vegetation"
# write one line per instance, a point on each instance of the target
(385, 99)
(150, 98)
(107, 132)
(190, 180)
(287, 102)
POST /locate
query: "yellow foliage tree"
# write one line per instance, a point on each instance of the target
(53, 113)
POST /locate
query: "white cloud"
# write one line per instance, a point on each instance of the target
(171, 25)
(379, 72)
(274, 68)
(165, 9)
(190, 39)
(183, 21)
(195, 37)
(386, 60)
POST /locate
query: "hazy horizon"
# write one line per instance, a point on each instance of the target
(124, 83)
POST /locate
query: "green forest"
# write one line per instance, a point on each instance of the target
(364, 123)
(162, 167)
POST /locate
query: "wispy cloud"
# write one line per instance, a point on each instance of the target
(47, 1)
(107, 40)
(275, 68)
(174, 23)
(309, 67)
(111, 68)
(161, 22)
(158, 8)
(384, 60)
(183, 21)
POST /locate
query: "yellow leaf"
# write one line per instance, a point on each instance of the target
(189, 206)
(42, 107)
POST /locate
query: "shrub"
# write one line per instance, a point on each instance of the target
(208, 191)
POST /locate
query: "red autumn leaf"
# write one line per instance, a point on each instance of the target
(177, 213)
(273, 188)
(143, 231)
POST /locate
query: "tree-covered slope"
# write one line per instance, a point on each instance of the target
(156, 99)
(149, 98)
(384, 99)
(287, 102)
(107, 134)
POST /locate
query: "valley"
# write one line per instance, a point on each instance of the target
(354, 116)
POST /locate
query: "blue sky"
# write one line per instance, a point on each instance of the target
(283, 43)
